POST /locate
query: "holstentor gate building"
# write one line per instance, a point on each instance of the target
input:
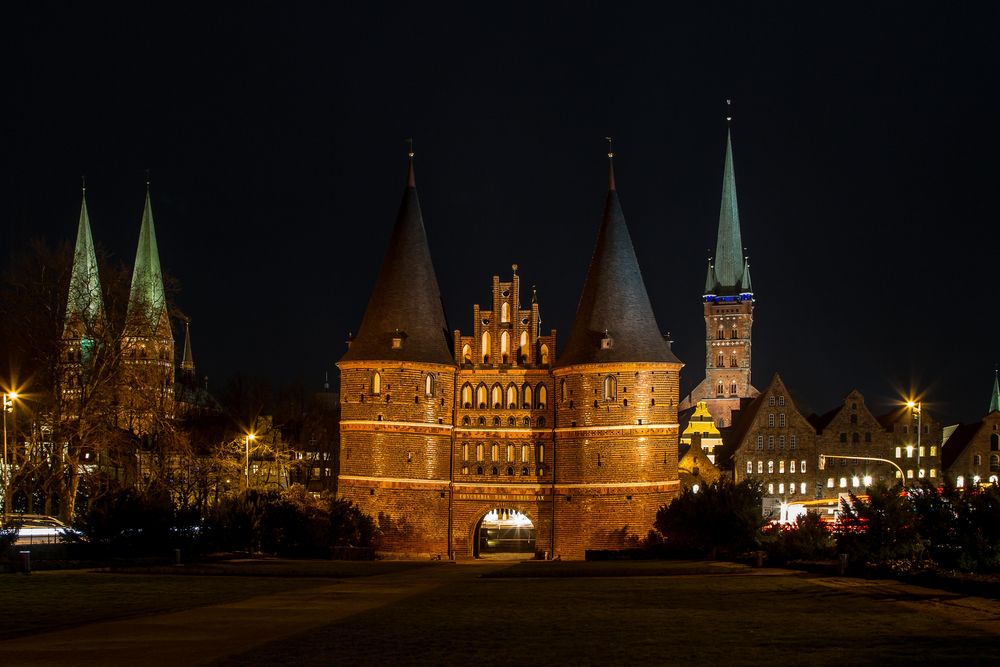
(462, 444)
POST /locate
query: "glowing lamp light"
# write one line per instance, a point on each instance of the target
(867, 480)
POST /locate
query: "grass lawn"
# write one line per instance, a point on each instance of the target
(45, 601)
(691, 618)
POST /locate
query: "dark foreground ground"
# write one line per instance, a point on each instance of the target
(279, 612)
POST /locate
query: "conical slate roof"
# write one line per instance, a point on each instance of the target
(729, 262)
(406, 302)
(614, 303)
(85, 302)
(147, 297)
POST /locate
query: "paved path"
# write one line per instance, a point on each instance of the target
(203, 634)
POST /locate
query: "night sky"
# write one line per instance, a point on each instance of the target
(864, 145)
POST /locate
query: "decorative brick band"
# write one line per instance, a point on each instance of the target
(395, 426)
(619, 429)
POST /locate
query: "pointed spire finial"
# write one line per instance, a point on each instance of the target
(611, 165)
(729, 111)
(147, 180)
(411, 181)
(83, 184)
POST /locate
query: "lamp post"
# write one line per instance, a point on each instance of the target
(246, 468)
(8, 406)
(915, 408)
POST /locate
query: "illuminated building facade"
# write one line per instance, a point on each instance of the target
(468, 444)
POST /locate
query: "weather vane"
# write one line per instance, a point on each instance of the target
(729, 110)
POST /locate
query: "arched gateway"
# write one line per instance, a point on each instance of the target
(504, 533)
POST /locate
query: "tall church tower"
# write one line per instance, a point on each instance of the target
(617, 385)
(728, 304)
(83, 326)
(147, 345)
(397, 390)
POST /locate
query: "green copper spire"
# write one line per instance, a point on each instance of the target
(729, 247)
(710, 279)
(147, 295)
(995, 398)
(85, 303)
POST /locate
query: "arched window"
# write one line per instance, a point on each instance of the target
(610, 388)
(720, 390)
(540, 451)
(511, 396)
(722, 360)
(977, 460)
(466, 395)
(995, 443)
(543, 396)
(376, 383)
(544, 355)
(465, 451)
(493, 453)
(511, 421)
(467, 353)
(487, 347)
(428, 385)
(524, 454)
(504, 347)
(732, 388)
(720, 334)
(732, 332)
(505, 312)
(994, 462)
(526, 396)
(481, 396)
(465, 421)
(479, 452)
(496, 396)
(732, 360)
(496, 421)
(510, 453)
(523, 351)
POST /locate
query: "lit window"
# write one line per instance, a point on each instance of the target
(909, 451)
(933, 473)
(749, 467)
(933, 450)
(802, 465)
(867, 480)
(466, 395)
(541, 453)
(479, 451)
(504, 347)
(899, 452)
(760, 467)
(781, 487)
(377, 383)
(781, 466)
(493, 452)
(909, 473)
(543, 396)
(922, 452)
(960, 481)
(770, 489)
(770, 467)
(829, 482)
(487, 343)
(465, 451)
(610, 388)
(524, 453)
(791, 466)
(843, 482)
(505, 312)
(543, 354)
(429, 385)
(855, 482)
(802, 488)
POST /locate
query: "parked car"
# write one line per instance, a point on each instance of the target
(39, 529)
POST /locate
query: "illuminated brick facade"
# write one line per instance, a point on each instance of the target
(439, 432)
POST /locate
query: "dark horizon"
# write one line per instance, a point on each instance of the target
(275, 141)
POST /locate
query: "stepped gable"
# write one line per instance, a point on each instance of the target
(614, 303)
(406, 302)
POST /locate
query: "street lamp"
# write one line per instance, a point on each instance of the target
(8, 406)
(246, 468)
(914, 407)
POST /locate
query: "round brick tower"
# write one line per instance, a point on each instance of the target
(397, 387)
(617, 389)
